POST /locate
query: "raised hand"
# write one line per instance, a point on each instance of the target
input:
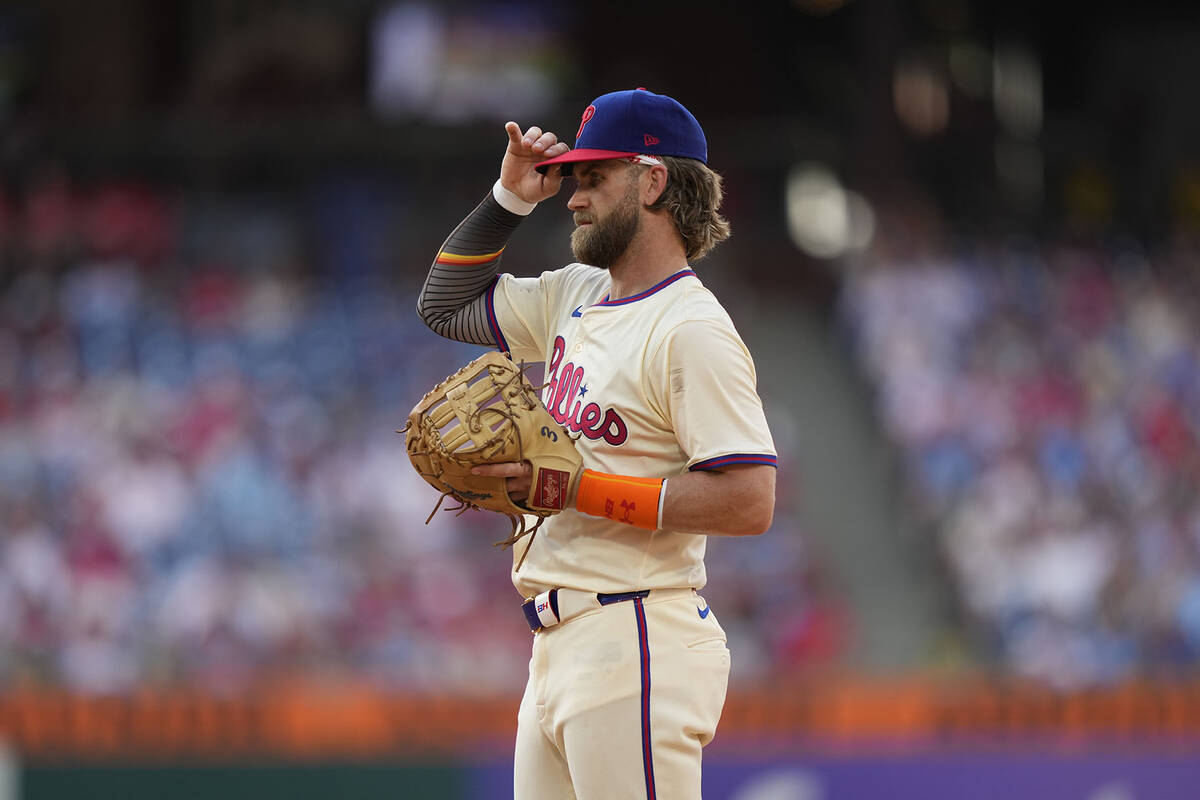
(524, 151)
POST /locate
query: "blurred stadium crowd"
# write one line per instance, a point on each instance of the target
(1046, 398)
(200, 483)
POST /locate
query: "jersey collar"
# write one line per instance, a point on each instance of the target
(642, 295)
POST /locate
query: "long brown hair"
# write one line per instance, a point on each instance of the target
(693, 197)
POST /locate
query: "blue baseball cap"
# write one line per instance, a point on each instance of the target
(630, 123)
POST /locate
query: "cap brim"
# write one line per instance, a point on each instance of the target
(570, 158)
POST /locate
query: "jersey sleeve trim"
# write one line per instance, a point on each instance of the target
(736, 458)
(493, 323)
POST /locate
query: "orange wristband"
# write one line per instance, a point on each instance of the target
(620, 498)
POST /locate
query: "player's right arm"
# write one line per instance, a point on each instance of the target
(453, 300)
(711, 400)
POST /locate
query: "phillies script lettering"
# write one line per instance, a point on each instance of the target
(566, 405)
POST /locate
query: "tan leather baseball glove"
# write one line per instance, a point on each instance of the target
(488, 413)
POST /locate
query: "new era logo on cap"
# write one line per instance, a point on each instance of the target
(619, 125)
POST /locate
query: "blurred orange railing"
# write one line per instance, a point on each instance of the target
(303, 721)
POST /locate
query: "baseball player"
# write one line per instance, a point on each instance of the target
(629, 666)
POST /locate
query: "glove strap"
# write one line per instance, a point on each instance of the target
(621, 498)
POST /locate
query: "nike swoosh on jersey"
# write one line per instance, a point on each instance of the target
(703, 612)
(577, 312)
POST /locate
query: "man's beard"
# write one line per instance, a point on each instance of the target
(603, 242)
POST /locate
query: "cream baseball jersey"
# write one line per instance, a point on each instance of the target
(653, 385)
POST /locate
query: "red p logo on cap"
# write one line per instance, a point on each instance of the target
(587, 115)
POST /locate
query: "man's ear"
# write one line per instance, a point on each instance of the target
(655, 185)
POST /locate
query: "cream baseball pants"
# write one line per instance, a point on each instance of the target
(621, 699)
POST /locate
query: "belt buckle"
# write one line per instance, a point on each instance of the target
(621, 597)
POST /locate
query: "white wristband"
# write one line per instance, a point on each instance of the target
(662, 501)
(510, 202)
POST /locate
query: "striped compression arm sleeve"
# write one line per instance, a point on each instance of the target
(453, 301)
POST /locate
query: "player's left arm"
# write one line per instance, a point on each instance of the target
(711, 399)
(737, 501)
